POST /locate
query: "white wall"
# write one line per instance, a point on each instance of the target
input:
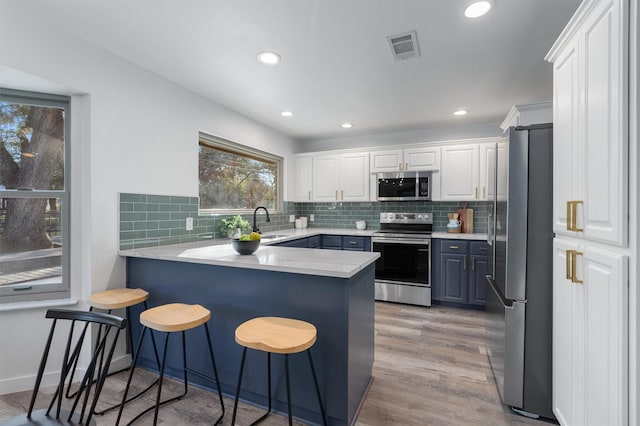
(132, 132)
(403, 137)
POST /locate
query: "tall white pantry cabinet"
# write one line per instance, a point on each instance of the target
(591, 216)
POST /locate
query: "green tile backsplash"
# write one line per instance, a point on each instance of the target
(154, 220)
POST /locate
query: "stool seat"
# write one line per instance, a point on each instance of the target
(276, 335)
(175, 317)
(118, 298)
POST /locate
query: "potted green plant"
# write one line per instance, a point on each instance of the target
(232, 227)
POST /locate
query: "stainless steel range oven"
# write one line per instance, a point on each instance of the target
(403, 271)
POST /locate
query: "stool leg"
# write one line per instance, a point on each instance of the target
(162, 365)
(215, 372)
(286, 372)
(133, 367)
(315, 382)
(235, 404)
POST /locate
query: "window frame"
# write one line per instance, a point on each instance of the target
(215, 142)
(62, 290)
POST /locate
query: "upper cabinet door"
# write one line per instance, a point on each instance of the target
(591, 127)
(459, 177)
(488, 170)
(326, 177)
(304, 179)
(422, 158)
(354, 177)
(386, 161)
(565, 134)
(604, 139)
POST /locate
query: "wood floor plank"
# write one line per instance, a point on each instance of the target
(430, 368)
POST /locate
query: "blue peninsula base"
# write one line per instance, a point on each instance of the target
(342, 309)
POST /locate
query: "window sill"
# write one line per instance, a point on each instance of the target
(18, 306)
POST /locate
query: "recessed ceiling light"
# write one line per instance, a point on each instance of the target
(460, 112)
(477, 9)
(286, 114)
(346, 125)
(269, 58)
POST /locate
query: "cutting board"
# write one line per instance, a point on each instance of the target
(466, 220)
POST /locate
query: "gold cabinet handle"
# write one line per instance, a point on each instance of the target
(309, 195)
(399, 166)
(342, 195)
(337, 195)
(569, 210)
(574, 262)
(572, 266)
(454, 247)
(465, 263)
(574, 214)
(476, 190)
(406, 166)
(568, 254)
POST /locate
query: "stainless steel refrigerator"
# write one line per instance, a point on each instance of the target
(519, 280)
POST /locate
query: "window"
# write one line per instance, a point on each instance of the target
(34, 196)
(236, 178)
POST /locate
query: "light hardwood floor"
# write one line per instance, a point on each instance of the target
(430, 369)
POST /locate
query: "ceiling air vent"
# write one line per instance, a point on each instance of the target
(404, 46)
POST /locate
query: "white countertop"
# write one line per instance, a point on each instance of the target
(330, 263)
(459, 236)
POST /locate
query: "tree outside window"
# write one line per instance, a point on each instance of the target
(32, 193)
(237, 178)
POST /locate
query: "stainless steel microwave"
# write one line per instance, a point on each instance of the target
(403, 186)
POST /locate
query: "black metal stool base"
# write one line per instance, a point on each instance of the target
(76, 354)
(159, 381)
(286, 369)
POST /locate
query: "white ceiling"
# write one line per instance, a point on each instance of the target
(336, 62)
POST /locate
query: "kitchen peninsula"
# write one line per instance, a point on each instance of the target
(334, 290)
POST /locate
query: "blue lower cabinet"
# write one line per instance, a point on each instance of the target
(333, 242)
(458, 272)
(314, 242)
(301, 242)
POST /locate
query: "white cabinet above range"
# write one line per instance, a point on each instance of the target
(398, 160)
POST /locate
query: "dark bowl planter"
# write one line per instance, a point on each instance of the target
(245, 247)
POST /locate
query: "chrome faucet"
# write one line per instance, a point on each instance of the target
(255, 225)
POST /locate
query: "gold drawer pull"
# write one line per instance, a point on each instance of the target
(399, 166)
(454, 247)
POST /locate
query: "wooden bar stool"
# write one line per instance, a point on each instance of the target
(109, 300)
(171, 318)
(282, 336)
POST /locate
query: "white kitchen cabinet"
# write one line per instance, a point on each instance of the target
(590, 212)
(303, 179)
(488, 166)
(389, 160)
(341, 177)
(422, 158)
(397, 160)
(590, 125)
(460, 172)
(590, 318)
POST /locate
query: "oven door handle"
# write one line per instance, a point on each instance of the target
(401, 241)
